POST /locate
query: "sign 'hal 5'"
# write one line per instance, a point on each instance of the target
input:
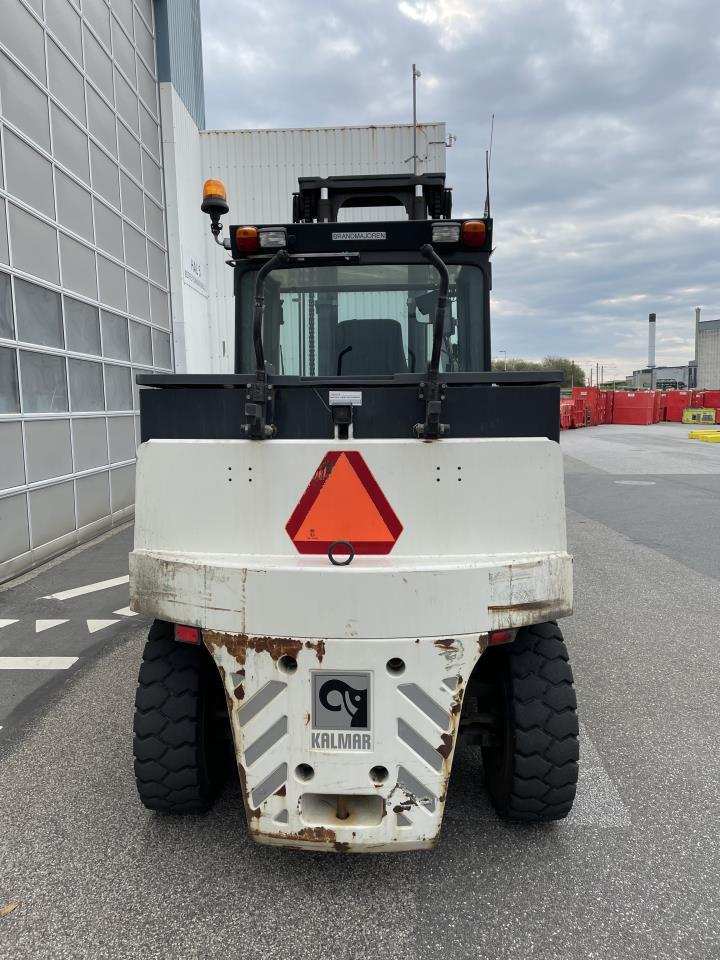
(354, 544)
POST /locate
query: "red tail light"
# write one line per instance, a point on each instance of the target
(187, 634)
(246, 239)
(501, 636)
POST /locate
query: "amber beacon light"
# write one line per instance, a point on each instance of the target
(215, 204)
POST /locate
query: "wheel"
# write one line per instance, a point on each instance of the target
(180, 741)
(531, 762)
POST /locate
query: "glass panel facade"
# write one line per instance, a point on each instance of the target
(64, 21)
(118, 387)
(66, 82)
(7, 327)
(86, 386)
(115, 340)
(44, 383)
(70, 144)
(74, 206)
(29, 175)
(108, 230)
(9, 396)
(98, 66)
(82, 229)
(24, 103)
(140, 343)
(39, 315)
(82, 326)
(24, 36)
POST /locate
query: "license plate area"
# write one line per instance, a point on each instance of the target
(337, 810)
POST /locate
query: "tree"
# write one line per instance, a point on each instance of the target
(573, 375)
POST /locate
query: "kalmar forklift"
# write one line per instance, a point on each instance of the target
(354, 546)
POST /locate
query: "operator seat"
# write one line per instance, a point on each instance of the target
(369, 347)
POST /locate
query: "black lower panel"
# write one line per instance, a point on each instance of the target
(387, 412)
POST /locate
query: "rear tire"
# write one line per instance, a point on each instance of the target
(532, 766)
(180, 743)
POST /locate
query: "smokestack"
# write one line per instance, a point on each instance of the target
(651, 341)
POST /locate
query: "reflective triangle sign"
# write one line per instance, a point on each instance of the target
(343, 502)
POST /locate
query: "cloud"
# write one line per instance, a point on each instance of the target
(607, 138)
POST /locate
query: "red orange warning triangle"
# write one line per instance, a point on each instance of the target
(343, 502)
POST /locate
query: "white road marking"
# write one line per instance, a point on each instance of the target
(95, 625)
(41, 625)
(598, 801)
(89, 588)
(636, 483)
(7, 623)
(125, 612)
(36, 663)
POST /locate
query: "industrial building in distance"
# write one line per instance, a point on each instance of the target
(700, 373)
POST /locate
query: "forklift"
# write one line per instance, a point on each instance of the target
(354, 546)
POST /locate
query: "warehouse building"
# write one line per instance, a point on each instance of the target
(663, 378)
(107, 267)
(83, 265)
(708, 355)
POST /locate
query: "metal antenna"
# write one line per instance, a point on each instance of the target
(415, 74)
(488, 158)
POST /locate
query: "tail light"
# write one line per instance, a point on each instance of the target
(473, 233)
(501, 636)
(187, 634)
(246, 239)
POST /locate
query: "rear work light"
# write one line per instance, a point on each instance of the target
(246, 239)
(445, 232)
(187, 634)
(273, 237)
(473, 233)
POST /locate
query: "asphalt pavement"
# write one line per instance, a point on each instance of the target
(631, 873)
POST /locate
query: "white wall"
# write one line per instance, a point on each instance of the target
(260, 169)
(194, 346)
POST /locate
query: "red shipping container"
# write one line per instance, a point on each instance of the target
(634, 407)
(663, 405)
(656, 408)
(602, 407)
(566, 414)
(677, 401)
(609, 406)
(697, 398)
(587, 397)
(712, 399)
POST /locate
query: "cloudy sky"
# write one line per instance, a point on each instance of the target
(606, 159)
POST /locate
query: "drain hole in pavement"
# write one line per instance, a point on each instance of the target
(287, 664)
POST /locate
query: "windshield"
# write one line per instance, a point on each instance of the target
(363, 319)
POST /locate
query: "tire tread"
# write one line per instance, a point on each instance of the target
(540, 781)
(170, 769)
